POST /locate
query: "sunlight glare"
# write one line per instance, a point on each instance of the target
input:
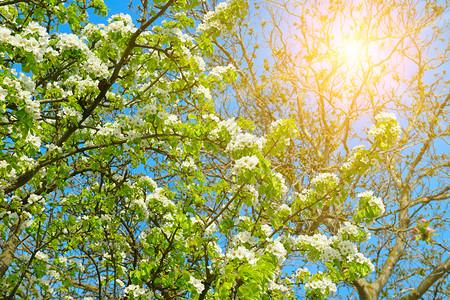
(353, 52)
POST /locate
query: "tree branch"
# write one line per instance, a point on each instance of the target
(440, 271)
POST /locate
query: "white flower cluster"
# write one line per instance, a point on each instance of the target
(246, 162)
(325, 286)
(3, 94)
(383, 119)
(243, 219)
(122, 23)
(333, 248)
(300, 272)
(243, 253)
(347, 248)
(230, 125)
(27, 162)
(68, 41)
(80, 84)
(27, 83)
(93, 65)
(162, 114)
(380, 129)
(220, 70)
(198, 285)
(36, 199)
(283, 208)
(357, 156)
(361, 259)
(11, 174)
(148, 181)
(266, 229)
(201, 65)
(149, 108)
(277, 249)
(204, 91)
(303, 196)
(13, 83)
(212, 117)
(62, 260)
(71, 112)
(88, 31)
(242, 140)
(212, 229)
(135, 290)
(243, 237)
(159, 196)
(283, 187)
(253, 191)
(34, 140)
(41, 256)
(189, 164)
(110, 129)
(183, 37)
(348, 229)
(208, 19)
(277, 287)
(373, 201)
(141, 206)
(3, 164)
(318, 241)
(325, 178)
(129, 121)
(275, 124)
(33, 108)
(171, 120)
(330, 254)
(29, 44)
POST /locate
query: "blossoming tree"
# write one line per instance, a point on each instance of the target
(119, 180)
(337, 67)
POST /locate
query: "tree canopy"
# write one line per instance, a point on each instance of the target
(125, 175)
(333, 67)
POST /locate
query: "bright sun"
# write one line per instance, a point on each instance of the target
(353, 52)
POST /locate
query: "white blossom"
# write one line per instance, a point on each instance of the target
(204, 91)
(242, 253)
(325, 178)
(330, 254)
(373, 201)
(322, 286)
(41, 256)
(349, 229)
(240, 141)
(3, 164)
(198, 285)
(69, 111)
(218, 71)
(34, 140)
(246, 162)
(267, 230)
(347, 248)
(93, 65)
(208, 19)
(278, 250)
(68, 41)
